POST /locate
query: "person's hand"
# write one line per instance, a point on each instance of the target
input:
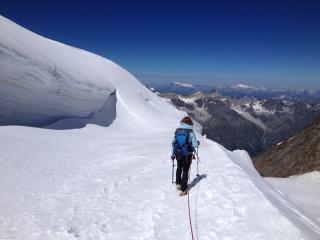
(193, 156)
(198, 142)
(173, 157)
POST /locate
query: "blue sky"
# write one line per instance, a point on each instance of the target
(263, 43)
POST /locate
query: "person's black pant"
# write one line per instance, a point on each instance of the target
(183, 171)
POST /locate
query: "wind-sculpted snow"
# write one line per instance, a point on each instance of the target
(42, 81)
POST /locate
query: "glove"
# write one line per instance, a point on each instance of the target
(173, 157)
(198, 142)
(193, 156)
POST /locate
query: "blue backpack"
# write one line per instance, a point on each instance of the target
(182, 145)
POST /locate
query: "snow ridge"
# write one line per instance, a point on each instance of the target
(42, 81)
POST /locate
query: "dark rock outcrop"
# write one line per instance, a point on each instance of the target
(297, 155)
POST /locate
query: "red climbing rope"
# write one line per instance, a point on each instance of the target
(189, 206)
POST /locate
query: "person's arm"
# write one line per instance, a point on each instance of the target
(172, 152)
(194, 140)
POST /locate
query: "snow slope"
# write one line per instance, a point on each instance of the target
(98, 183)
(303, 190)
(113, 181)
(249, 117)
(42, 81)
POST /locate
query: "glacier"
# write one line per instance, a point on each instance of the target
(85, 154)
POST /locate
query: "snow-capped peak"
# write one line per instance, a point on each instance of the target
(187, 85)
(242, 86)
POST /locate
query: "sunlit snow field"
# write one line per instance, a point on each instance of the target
(107, 174)
(303, 190)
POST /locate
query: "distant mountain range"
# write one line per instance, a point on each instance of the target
(183, 89)
(296, 155)
(244, 117)
(238, 90)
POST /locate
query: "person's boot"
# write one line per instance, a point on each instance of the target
(183, 193)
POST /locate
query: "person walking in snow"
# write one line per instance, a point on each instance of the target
(183, 147)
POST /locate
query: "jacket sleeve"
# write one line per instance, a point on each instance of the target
(194, 140)
(172, 151)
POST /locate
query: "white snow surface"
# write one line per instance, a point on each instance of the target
(113, 181)
(109, 183)
(302, 190)
(248, 116)
(42, 81)
(259, 109)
